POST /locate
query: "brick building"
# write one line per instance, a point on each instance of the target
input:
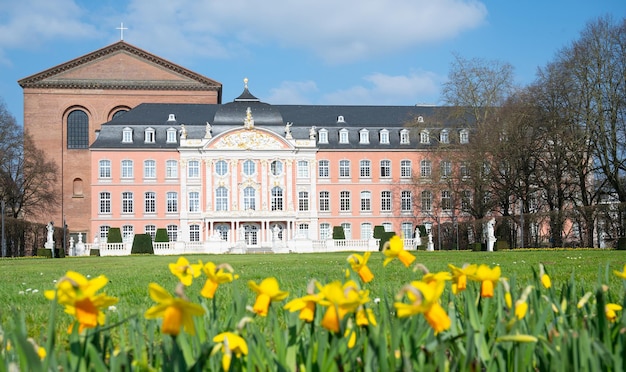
(65, 106)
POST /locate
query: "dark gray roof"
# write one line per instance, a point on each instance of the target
(223, 117)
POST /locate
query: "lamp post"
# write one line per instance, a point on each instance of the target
(4, 242)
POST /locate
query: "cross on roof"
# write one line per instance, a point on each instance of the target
(121, 28)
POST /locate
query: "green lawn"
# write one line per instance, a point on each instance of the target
(25, 279)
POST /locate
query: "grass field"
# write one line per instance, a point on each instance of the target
(25, 279)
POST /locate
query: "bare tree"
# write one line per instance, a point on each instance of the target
(27, 178)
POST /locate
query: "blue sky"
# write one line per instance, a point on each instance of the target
(361, 52)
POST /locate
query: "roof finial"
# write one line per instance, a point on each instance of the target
(121, 28)
(245, 83)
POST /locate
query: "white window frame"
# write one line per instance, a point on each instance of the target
(406, 168)
(149, 202)
(425, 137)
(127, 135)
(303, 169)
(171, 202)
(366, 201)
(149, 135)
(384, 137)
(221, 199)
(127, 169)
(364, 137)
(406, 202)
(344, 168)
(324, 201)
(171, 169)
(323, 168)
(193, 199)
(322, 136)
(149, 169)
(404, 137)
(344, 138)
(385, 201)
(365, 168)
(303, 201)
(104, 169)
(171, 136)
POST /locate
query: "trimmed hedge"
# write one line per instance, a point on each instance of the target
(115, 235)
(142, 244)
(385, 238)
(45, 252)
(161, 236)
(338, 233)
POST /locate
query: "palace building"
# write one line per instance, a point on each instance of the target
(144, 144)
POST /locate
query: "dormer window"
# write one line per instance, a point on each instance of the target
(404, 137)
(444, 136)
(171, 117)
(127, 135)
(364, 136)
(464, 136)
(384, 137)
(340, 119)
(420, 119)
(322, 136)
(171, 135)
(149, 135)
(424, 136)
(343, 136)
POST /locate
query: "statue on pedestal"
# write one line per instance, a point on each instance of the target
(491, 237)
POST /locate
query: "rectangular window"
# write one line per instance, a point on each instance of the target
(172, 202)
(104, 232)
(406, 169)
(343, 136)
(172, 232)
(425, 168)
(344, 201)
(105, 168)
(424, 137)
(221, 199)
(303, 201)
(127, 202)
(171, 135)
(149, 135)
(127, 135)
(149, 202)
(128, 231)
(127, 169)
(105, 203)
(385, 168)
(277, 199)
(366, 231)
(384, 137)
(446, 169)
(323, 136)
(466, 200)
(406, 205)
(303, 230)
(385, 201)
(171, 169)
(366, 201)
(344, 168)
(149, 169)
(303, 169)
(323, 169)
(150, 230)
(407, 229)
(249, 199)
(444, 137)
(464, 136)
(427, 201)
(324, 201)
(193, 169)
(364, 136)
(464, 169)
(194, 201)
(347, 230)
(404, 137)
(194, 233)
(446, 200)
(364, 166)
(325, 231)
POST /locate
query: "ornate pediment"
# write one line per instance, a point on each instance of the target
(248, 140)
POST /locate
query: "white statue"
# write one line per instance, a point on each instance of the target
(491, 237)
(312, 133)
(50, 239)
(183, 132)
(417, 238)
(207, 133)
(288, 130)
(80, 246)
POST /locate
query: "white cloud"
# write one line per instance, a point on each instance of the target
(292, 92)
(382, 89)
(336, 31)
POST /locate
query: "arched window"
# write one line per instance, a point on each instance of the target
(77, 187)
(77, 130)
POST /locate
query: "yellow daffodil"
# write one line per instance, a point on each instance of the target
(621, 274)
(175, 311)
(231, 344)
(545, 279)
(78, 295)
(460, 275)
(611, 311)
(267, 291)
(305, 305)
(424, 299)
(339, 300)
(434, 279)
(359, 265)
(365, 317)
(216, 275)
(488, 278)
(184, 271)
(394, 248)
(521, 307)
